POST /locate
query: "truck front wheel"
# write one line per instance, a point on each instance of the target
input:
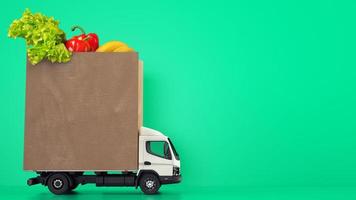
(149, 184)
(58, 184)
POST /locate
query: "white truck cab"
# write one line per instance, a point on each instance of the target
(157, 153)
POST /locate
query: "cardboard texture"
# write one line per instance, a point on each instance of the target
(140, 93)
(84, 114)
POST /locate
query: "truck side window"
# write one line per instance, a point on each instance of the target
(159, 148)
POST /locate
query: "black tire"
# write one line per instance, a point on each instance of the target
(73, 186)
(58, 184)
(149, 184)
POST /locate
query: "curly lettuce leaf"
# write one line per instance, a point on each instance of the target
(44, 39)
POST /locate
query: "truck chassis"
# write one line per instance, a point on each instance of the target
(64, 182)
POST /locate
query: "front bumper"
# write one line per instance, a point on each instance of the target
(170, 179)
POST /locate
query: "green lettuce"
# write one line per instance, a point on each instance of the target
(44, 39)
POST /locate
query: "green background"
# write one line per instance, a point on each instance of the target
(257, 96)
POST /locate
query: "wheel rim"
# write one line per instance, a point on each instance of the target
(57, 183)
(150, 184)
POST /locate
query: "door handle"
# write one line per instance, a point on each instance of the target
(147, 163)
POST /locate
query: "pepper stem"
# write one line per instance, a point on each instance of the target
(78, 27)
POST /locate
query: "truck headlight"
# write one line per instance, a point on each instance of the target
(176, 171)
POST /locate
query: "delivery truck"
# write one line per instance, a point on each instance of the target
(83, 125)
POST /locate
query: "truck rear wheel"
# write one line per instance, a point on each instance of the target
(75, 185)
(149, 184)
(58, 184)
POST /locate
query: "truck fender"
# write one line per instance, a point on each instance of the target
(142, 172)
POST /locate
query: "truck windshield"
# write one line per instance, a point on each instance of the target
(174, 150)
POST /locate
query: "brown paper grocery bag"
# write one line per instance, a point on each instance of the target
(84, 114)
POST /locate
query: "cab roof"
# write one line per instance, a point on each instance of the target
(144, 131)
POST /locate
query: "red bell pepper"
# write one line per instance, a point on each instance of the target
(83, 42)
